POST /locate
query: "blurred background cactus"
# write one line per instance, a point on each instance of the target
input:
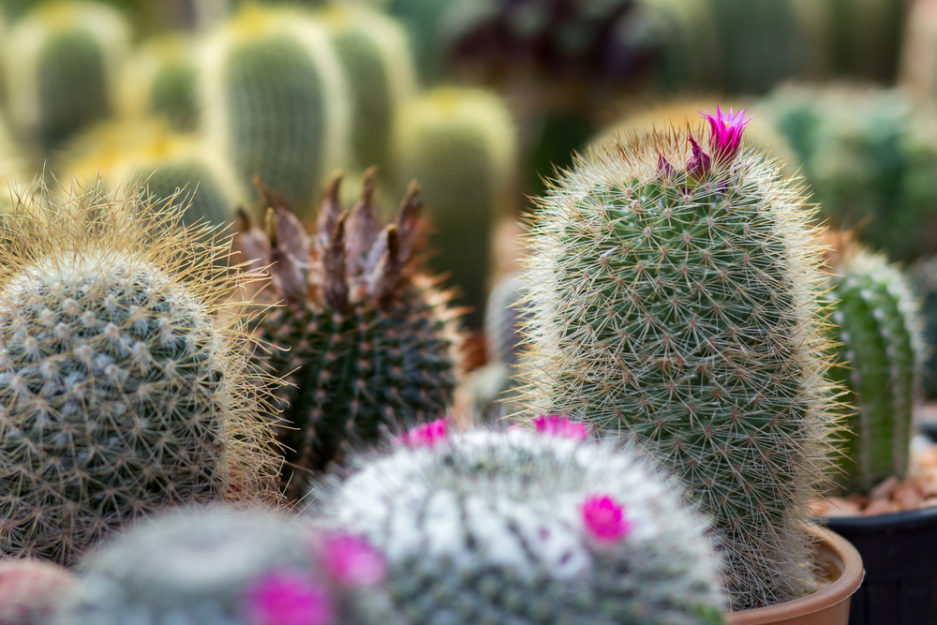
(161, 78)
(30, 590)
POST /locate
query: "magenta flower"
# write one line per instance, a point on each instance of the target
(726, 132)
(288, 598)
(426, 435)
(560, 425)
(604, 518)
(352, 561)
(699, 163)
(664, 168)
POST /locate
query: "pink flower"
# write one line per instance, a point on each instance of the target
(560, 425)
(426, 435)
(288, 598)
(699, 164)
(726, 132)
(664, 168)
(604, 518)
(352, 561)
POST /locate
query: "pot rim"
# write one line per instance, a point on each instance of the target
(870, 523)
(841, 589)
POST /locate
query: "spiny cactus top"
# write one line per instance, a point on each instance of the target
(228, 566)
(525, 528)
(372, 341)
(125, 379)
(674, 295)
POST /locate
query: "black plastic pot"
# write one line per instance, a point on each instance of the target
(899, 552)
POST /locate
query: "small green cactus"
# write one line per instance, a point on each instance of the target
(161, 78)
(460, 144)
(30, 590)
(64, 74)
(275, 102)
(126, 384)
(880, 342)
(680, 304)
(527, 527)
(372, 340)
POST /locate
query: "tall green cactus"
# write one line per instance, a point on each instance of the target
(125, 380)
(679, 304)
(161, 78)
(372, 340)
(879, 333)
(275, 102)
(63, 75)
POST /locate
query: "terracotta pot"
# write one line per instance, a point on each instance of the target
(827, 606)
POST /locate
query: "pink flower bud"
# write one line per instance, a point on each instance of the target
(288, 598)
(560, 425)
(426, 435)
(352, 561)
(604, 518)
(726, 130)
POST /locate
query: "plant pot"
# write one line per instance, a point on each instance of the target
(900, 556)
(828, 606)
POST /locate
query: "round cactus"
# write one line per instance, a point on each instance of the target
(30, 591)
(226, 566)
(125, 382)
(880, 338)
(526, 527)
(372, 341)
(680, 304)
(64, 73)
(274, 100)
(161, 78)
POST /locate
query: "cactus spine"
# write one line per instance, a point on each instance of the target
(492, 527)
(880, 341)
(125, 383)
(679, 304)
(30, 590)
(373, 342)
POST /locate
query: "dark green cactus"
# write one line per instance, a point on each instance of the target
(372, 341)
(924, 278)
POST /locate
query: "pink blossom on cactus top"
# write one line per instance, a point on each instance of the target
(560, 425)
(426, 435)
(604, 518)
(699, 163)
(352, 561)
(288, 598)
(664, 168)
(726, 128)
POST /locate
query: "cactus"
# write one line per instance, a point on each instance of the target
(880, 339)
(30, 590)
(161, 78)
(64, 73)
(226, 566)
(690, 53)
(378, 68)
(274, 100)
(680, 304)
(460, 144)
(867, 37)
(126, 384)
(373, 341)
(526, 527)
(924, 280)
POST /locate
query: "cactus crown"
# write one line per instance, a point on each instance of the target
(674, 296)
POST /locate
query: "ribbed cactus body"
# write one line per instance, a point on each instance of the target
(275, 102)
(30, 590)
(490, 527)
(880, 341)
(121, 389)
(162, 79)
(460, 144)
(681, 308)
(63, 75)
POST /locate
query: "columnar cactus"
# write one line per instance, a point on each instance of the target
(162, 78)
(30, 590)
(526, 527)
(880, 340)
(64, 72)
(924, 277)
(372, 340)
(227, 566)
(680, 304)
(125, 379)
(460, 144)
(274, 100)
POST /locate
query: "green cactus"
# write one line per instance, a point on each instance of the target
(64, 73)
(680, 305)
(460, 144)
(162, 79)
(691, 53)
(30, 590)
(378, 67)
(372, 341)
(125, 379)
(274, 100)
(423, 20)
(226, 566)
(924, 280)
(879, 333)
(499, 527)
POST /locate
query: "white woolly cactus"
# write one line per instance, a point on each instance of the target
(524, 527)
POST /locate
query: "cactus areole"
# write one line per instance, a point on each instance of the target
(675, 296)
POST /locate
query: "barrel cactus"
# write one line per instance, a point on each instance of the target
(30, 590)
(125, 379)
(526, 527)
(226, 566)
(675, 296)
(162, 78)
(880, 340)
(372, 340)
